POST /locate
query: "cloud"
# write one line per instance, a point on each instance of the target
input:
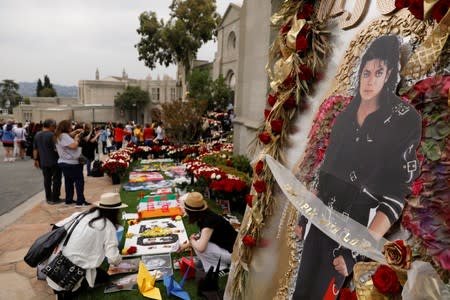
(68, 40)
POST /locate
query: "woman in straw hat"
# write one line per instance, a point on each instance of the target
(93, 239)
(216, 237)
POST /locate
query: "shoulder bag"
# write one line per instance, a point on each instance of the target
(43, 247)
(61, 270)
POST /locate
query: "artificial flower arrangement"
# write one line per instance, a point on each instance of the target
(223, 183)
(115, 166)
(382, 281)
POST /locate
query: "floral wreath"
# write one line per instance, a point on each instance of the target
(298, 55)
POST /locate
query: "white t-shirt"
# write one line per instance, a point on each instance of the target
(160, 134)
(21, 134)
(88, 246)
(66, 154)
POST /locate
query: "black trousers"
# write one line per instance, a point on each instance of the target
(52, 182)
(316, 267)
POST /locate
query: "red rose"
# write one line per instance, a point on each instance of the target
(259, 167)
(290, 103)
(249, 200)
(249, 241)
(264, 137)
(131, 250)
(346, 294)
(424, 85)
(440, 9)
(399, 4)
(286, 28)
(276, 125)
(386, 281)
(306, 12)
(267, 113)
(288, 82)
(301, 43)
(416, 8)
(305, 72)
(272, 99)
(417, 187)
(260, 186)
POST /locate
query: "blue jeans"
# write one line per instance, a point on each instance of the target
(88, 166)
(73, 175)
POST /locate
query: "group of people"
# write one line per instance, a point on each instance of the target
(94, 238)
(14, 137)
(57, 151)
(151, 134)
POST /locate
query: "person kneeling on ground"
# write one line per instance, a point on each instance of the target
(216, 237)
(93, 238)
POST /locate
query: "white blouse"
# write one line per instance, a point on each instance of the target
(88, 246)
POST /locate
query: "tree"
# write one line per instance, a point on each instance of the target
(191, 23)
(221, 94)
(39, 87)
(45, 90)
(9, 92)
(47, 83)
(199, 84)
(183, 120)
(132, 99)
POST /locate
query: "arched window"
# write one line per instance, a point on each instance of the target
(231, 79)
(231, 44)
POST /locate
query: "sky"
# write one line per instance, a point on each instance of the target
(69, 40)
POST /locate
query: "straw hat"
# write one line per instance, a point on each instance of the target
(110, 201)
(194, 202)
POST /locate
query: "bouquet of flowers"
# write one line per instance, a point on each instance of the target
(115, 166)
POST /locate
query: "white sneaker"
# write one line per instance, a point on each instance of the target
(6, 159)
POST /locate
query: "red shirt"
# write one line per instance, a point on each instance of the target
(149, 133)
(118, 134)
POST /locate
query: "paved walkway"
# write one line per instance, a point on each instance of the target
(18, 230)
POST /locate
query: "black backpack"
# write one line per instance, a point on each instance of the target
(97, 169)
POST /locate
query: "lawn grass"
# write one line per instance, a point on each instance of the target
(131, 198)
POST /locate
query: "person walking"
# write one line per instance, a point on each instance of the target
(160, 133)
(8, 141)
(89, 143)
(104, 139)
(149, 135)
(20, 139)
(46, 159)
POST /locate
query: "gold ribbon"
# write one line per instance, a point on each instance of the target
(427, 6)
(291, 37)
(427, 53)
(281, 69)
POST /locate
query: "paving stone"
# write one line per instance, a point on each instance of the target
(24, 269)
(15, 286)
(13, 256)
(7, 268)
(41, 288)
(18, 235)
